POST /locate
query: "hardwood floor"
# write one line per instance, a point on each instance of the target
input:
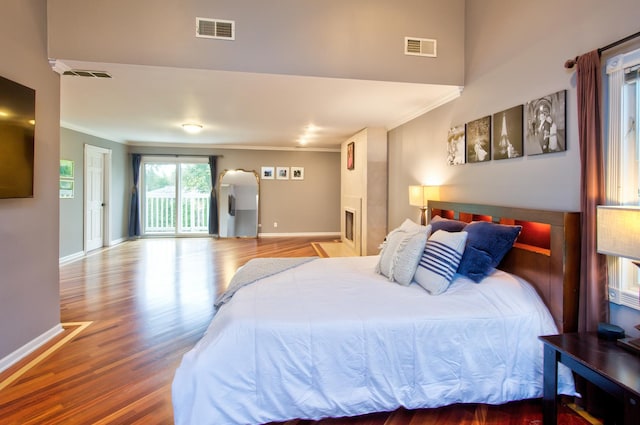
(143, 304)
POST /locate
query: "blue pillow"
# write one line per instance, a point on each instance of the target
(487, 244)
(446, 224)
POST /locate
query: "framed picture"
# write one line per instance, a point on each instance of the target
(267, 173)
(282, 173)
(351, 147)
(66, 169)
(478, 135)
(455, 145)
(66, 189)
(507, 133)
(545, 119)
(297, 173)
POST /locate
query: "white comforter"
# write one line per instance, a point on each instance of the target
(333, 338)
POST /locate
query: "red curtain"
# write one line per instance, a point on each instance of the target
(594, 305)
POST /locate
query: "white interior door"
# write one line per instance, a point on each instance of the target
(95, 161)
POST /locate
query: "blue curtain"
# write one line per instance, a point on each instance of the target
(213, 202)
(134, 208)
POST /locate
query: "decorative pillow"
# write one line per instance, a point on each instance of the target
(412, 227)
(487, 244)
(406, 257)
(388, 251)
(440, 260)
(389, 246)
(439, 223)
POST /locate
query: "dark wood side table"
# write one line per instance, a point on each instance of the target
(604, 363)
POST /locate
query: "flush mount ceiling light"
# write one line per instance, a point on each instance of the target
(192, 128)
(309, 133)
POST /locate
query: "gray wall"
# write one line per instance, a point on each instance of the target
(29, 288)
(72, 210)
(360, 39)
(521, 58)
(311, 205)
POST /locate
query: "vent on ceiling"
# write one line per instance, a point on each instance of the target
(215, 28)
(420, 47)
(84, 73)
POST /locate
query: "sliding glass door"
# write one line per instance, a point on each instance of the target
(176, 196)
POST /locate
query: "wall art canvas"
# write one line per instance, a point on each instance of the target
(478, 135)
(282, 173)
(351, 147)
(268, 173)
(545, 120)
(456, 146)
(507, 133)
(66, 189)
(297, 173)
(66, 169)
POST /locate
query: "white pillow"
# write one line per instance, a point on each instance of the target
(390, 244)
(408, 254)
(401, 235)
(440, 260)
(412, 227)
(388, 251)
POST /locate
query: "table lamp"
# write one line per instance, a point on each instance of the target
(618, 231)
(618, 234)
(419, 196)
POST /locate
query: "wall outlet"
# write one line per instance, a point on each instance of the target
(275, 224)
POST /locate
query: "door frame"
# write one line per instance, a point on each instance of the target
(106, 186)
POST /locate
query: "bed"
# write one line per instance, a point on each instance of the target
(331, 337)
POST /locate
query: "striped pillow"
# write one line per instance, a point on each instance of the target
(440, 260)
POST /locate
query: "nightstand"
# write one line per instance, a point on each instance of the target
(604, 363)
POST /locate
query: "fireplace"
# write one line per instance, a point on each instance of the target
(350, 226)
(349, 223)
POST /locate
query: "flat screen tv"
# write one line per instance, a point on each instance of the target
(17, 129)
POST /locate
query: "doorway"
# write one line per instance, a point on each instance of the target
(176, 196)
(97, 171)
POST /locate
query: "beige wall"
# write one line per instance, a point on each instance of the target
(360, 39)
(29, 288)
(309, 206)
(521, 58)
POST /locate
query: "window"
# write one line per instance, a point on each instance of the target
(176, 196)
(622, 163)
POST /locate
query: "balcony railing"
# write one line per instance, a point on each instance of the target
(160, 213)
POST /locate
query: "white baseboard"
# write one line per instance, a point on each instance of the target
(29, 347)
(117, 241)
(70, 258)
(78, 255)
(302, 235)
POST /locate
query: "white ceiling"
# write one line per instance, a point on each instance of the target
(147, 105)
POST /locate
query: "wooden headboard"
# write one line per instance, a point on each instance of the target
(546, 254)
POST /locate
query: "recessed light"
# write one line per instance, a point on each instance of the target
(192, 128)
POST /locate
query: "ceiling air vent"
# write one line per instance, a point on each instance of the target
(215, 28)
(420, 47)
(84, 73)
